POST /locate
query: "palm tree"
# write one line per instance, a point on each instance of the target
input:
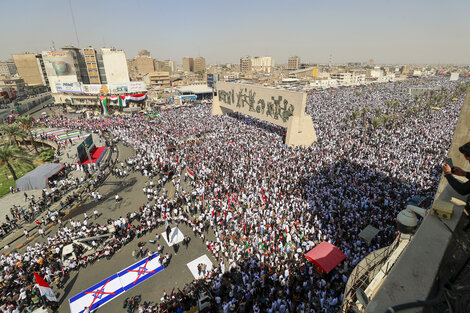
(10, 154)
(28, 122)
(355, 114)
(376, 123)
(377, 111)
(13, 132)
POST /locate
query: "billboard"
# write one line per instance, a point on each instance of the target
(92, 88)
(58, 63)
(118, 88)
(68, 87)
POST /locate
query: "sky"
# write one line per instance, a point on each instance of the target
(389, 32)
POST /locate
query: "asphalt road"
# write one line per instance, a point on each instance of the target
(130, 190)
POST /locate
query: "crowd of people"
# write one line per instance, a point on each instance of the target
(268, 204)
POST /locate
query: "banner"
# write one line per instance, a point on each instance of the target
(68, 87)
(111, 287)
(138, 97)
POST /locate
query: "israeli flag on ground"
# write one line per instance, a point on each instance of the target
(111, 287)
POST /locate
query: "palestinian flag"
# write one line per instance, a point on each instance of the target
(44, 288)
(122, 101)
(191, 174)
(137, 97)
(104, 105)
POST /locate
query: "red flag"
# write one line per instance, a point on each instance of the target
(44, 288)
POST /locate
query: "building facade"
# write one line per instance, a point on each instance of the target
(199, 64)
(115, 65)
(95, 68)
(79, 63)
(262, 64)
(31, 68)
(293, 63)
(8, 68)
(144, 64)
(245, 64)
(188, 64)
(157, 80)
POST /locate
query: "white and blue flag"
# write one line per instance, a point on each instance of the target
(111, 287)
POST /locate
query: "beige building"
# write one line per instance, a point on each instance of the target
(79, 63)
(31, 68)
(115, 65)
(262, 64)
(188, 64)
(144, 64)
(199, 64)
(245, 64)
(157, 80)
(293, 63)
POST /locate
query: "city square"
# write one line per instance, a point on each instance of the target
(334, 180)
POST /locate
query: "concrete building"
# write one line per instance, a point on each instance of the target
(311, 72)
(79, 63)
(245, 64)
(95, 66)
(144, 64)
(262, 64)
(62, 67)
(8, 68)
(199, 64)
(157, 80)
(188, 64)
(31, 68)
(115, 65)
(15, 84)
(293, 63)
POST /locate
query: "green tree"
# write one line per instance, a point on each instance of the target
(14, 132)
(28, 123)
(10, 155)
(376, 122)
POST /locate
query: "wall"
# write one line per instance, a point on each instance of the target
(115, 65)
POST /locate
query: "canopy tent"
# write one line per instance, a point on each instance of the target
(37, 178)
(325, 256)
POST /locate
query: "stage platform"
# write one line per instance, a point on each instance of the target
(96, 155)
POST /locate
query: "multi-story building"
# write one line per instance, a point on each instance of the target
(157, 80)
(245, 64)
(31, 68)
(262, 64)
(293, 63)
(62, 67)
(115, 65)
(199, 64)
(188, 64)
(144, 64)
(8, 68)
(79, 63)
(95, 66)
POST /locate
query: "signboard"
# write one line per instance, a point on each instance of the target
(91, 88)
(280, 107)
(58, 63)
(136, 86)
(118, 88)
(68, 87)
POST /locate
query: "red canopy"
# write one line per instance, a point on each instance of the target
(325, 256)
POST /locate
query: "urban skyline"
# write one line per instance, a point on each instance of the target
(390, 33)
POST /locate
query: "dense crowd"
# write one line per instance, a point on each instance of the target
(267, 203)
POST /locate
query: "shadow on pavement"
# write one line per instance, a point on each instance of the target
(68, 288)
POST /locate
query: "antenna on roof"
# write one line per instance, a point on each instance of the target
(74, 25)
